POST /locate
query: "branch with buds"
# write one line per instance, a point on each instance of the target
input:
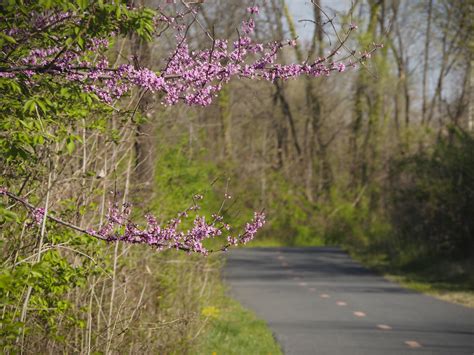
(190, 76)
(120, 228)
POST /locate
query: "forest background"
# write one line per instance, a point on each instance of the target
(378, 160)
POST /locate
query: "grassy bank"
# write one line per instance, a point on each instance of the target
(451, 281)
(233, 329)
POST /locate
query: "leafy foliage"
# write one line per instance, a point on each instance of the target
(433, 196)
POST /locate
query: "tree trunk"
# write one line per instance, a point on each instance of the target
(426, 60)
(145, 138)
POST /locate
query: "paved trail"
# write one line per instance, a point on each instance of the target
(319, 301)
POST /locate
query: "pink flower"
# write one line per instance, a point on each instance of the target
(119, 227)
(248, 26)
(253, 10)
(341, 67)
(38, 215)
(193, 77)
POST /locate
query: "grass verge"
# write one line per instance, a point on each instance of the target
(233, 329)
(451, 281)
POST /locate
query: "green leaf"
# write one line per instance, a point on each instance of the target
(36, 274)
(82, 4)
(38, 140)
(41, 105)
(118, 12)
(80, 42)
(70, 146)
(7, 38)
(29, 105)
(7, 216)
(47, 3)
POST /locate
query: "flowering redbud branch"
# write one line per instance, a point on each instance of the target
(194, 77)
(31, 207)
(119, 228)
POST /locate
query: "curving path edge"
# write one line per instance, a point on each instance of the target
(319, 301)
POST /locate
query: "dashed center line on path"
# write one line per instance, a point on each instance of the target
(413, 344)
(303, 312)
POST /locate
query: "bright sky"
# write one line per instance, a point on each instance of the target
(303, 9)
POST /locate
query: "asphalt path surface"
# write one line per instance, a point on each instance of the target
(319, 301)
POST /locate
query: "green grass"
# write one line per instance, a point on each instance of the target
(232, 329)
(236, 330)
(269, 242)
(442, 290)
(451, 281)
(265, 243)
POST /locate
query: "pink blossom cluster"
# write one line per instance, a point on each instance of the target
(192, 77)
(252, 228)
(38, 215)
(119, 227)
(254, 10)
